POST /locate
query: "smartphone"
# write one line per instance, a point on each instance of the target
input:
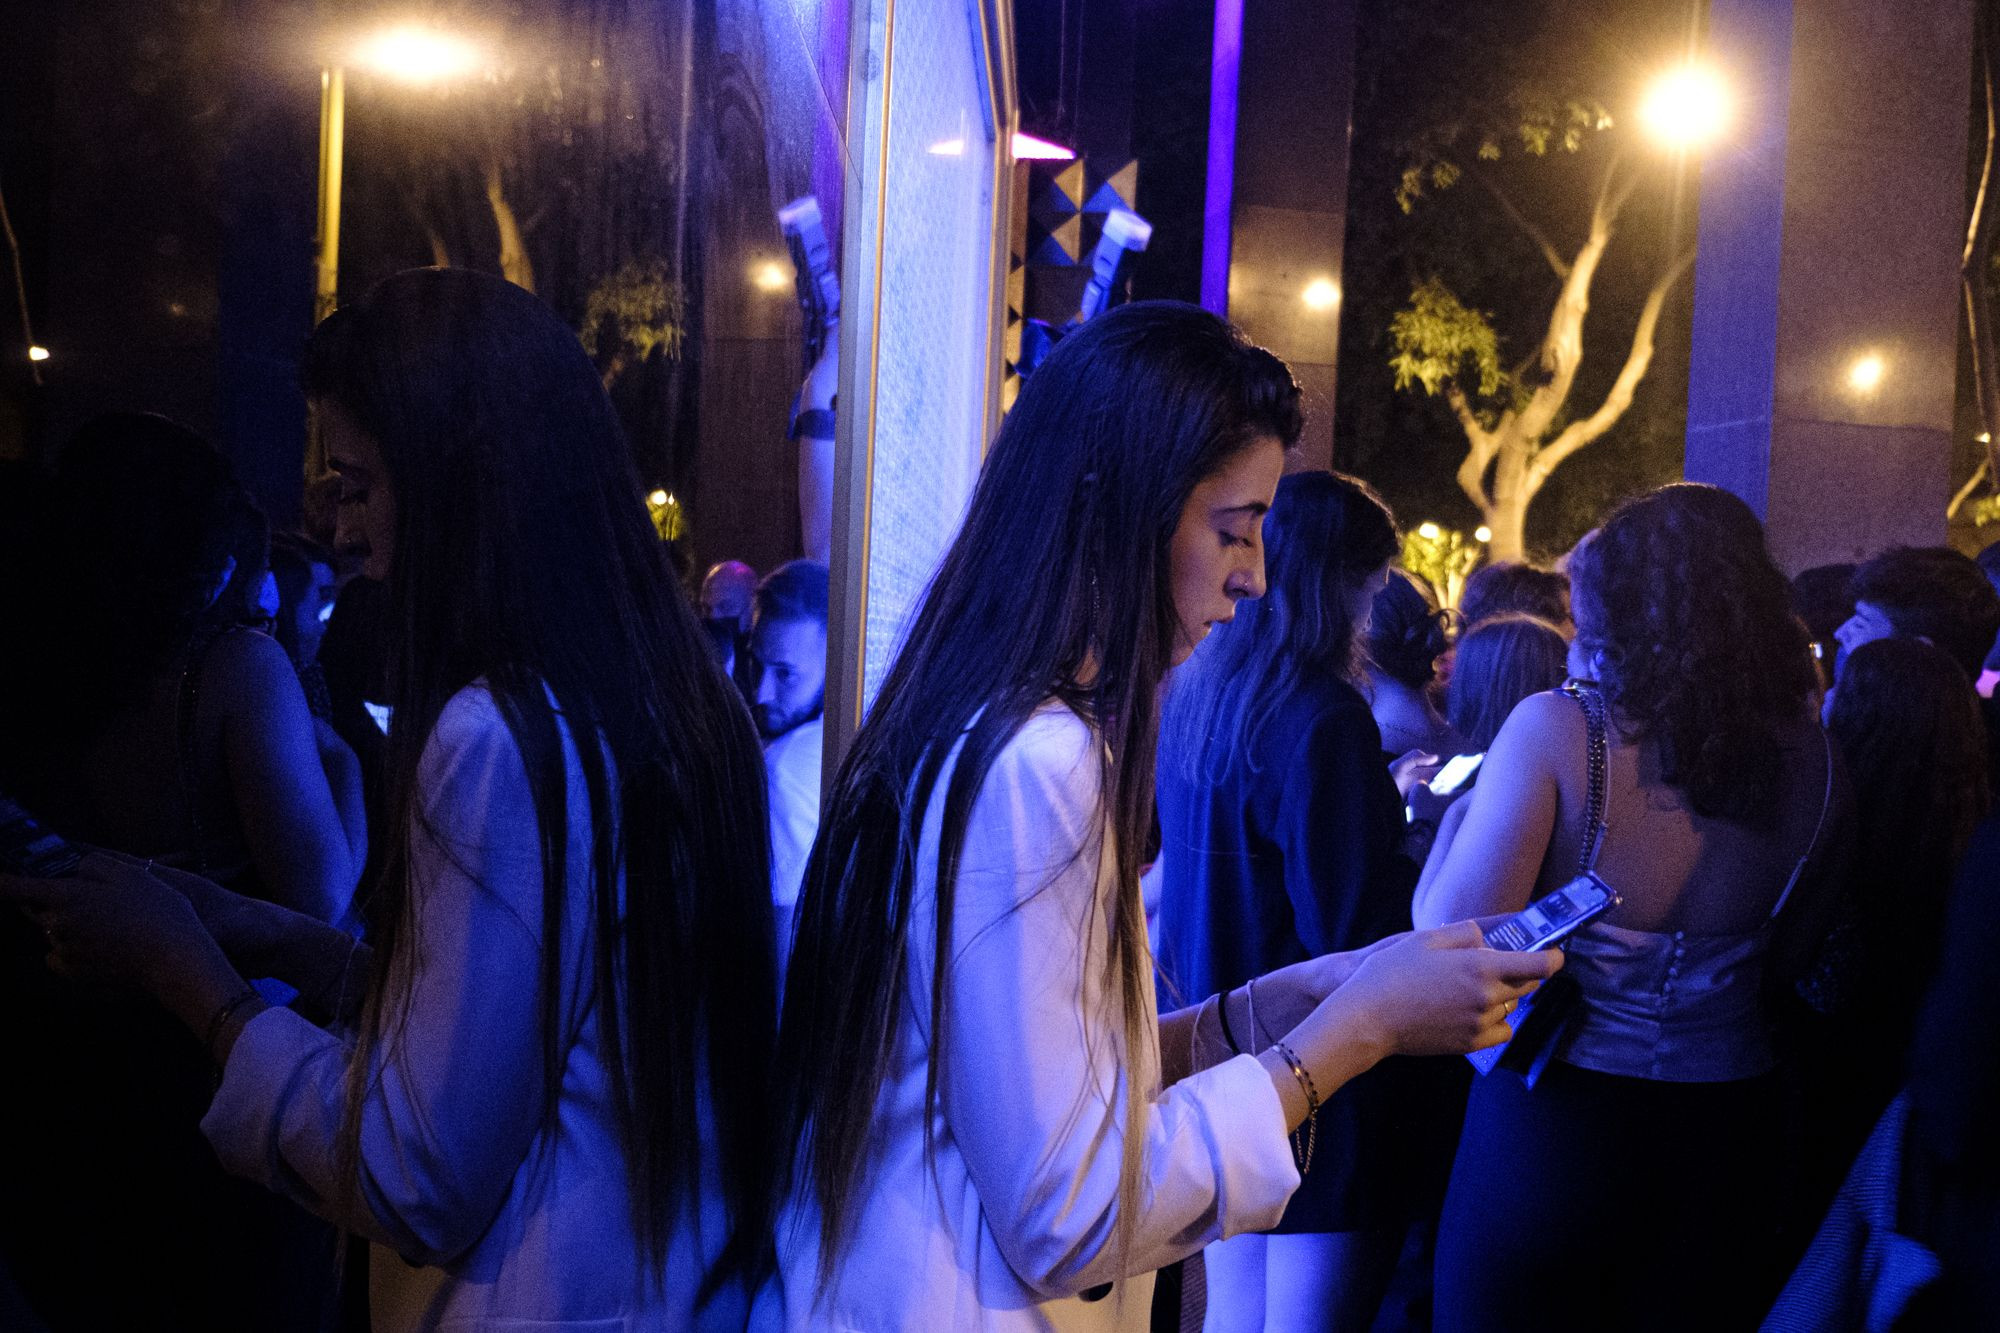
(1457, 771)
(1544, 922)
(27, 847)
(1551, 917)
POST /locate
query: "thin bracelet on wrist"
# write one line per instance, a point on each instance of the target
(1302, 1158)
(1222, 1012)
(230, 1008)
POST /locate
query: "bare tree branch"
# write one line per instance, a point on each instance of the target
(1580, 433)
(1975, 267)
(1556, 262)
(1480, 446)
(1979, 474)
(20, 291)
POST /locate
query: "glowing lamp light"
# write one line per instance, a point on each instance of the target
(415, 54)
(771, 277)
(1984, 437)
(1429, 531)
(1685, 107)
(658, 499)
(38, 353)
(1027, 148)
(1321, 294)
(1866, 372)
(1482, 533)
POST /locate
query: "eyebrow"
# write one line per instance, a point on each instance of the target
(1256, 509)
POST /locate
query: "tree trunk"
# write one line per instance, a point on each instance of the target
(1976, 270)
(1507, 515)
(515, 265)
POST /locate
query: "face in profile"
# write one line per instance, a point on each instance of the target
(789, 668)
(314, 610)
(364, 516)
(1217, 555)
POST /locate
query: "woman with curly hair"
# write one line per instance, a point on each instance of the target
(1638, 1181)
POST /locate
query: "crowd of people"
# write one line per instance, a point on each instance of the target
(458, 933)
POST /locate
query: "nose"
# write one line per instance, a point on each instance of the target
(1248, 581)
(767, 687)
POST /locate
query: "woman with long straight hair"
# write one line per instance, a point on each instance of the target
(558, 1092)
(994, 1129)
(1282, 837)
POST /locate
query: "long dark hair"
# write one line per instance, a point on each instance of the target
(1325, 534)
(1057, 585)
(1407, 631)
(1908, 724)
(524, 556)
(1696, 646)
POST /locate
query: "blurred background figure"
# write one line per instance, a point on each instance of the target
(1282, 839)
(147, 719)
(1823, 598)
(788, 668)
(307, 584)
(1501, 660)
(726, 597)
(1934, 594)
(1908, 726)
(1404, 635)
(1509, 585)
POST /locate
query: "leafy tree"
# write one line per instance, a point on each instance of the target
(1516, 420)
(630, 315)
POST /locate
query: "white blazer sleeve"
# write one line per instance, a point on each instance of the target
(1034, 1084)
(454, 1104)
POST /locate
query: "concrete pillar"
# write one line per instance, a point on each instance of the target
(1282, 97)
(1821, 378)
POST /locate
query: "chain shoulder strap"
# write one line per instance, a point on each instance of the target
(1597, 767)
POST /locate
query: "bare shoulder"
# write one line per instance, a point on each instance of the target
(1549, 722)
(246, 668)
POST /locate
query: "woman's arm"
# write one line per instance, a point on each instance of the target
(1496, 853)
(297, 840)
(343, 780)
(1035, 1065)
(454, 1097)
(327, 966)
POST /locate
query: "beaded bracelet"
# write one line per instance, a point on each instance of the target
(1303, 1159)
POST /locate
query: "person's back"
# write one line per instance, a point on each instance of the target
(1672, 975)
(171, 733)
(130, 743)
(1655, 1114)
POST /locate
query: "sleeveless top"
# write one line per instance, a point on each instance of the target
(1676, 1006)
(1670, 1006)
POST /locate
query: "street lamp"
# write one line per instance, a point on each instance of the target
(1685, 107)
(407, 53)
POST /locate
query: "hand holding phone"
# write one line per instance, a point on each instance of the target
(28, 847)
(1542, 924)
